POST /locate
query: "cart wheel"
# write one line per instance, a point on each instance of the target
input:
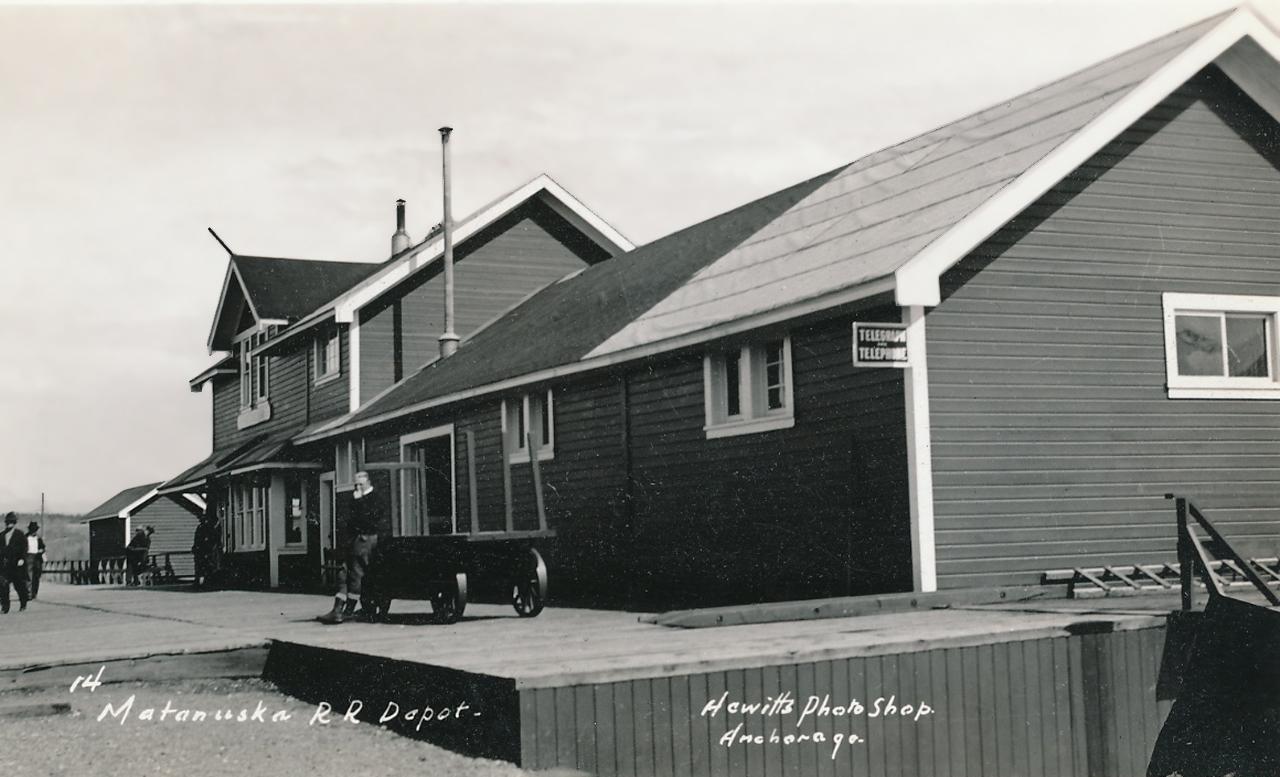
(448, 603)
(529, 591)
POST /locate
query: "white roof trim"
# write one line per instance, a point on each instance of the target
(127, 511)
(222, 298)
(767, 318)
(559, 199)
(917, 281)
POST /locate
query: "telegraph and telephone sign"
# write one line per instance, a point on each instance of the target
(879, 345)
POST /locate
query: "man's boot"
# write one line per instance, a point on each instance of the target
(335, 615)
(349, 612)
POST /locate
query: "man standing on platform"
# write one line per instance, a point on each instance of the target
(363, 526)
(35, 558)
(13, 563)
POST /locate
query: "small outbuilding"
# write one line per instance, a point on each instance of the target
(174, 518)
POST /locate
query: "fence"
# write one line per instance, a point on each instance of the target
(115, 570)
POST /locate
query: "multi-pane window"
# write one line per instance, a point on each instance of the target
(1220, 346)
(248, 524)
(254, 369)
(529, 412)
(327, 357)
(748, 388)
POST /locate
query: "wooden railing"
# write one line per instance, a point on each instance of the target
(114, 570)
(1193, 557)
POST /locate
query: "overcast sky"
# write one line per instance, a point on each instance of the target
(126, 131)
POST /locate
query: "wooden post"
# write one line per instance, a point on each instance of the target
(534, 444)
(471, 481)
(1186, 558)
(506, 481)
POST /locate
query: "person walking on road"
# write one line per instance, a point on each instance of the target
(13, 563)
(35, 558)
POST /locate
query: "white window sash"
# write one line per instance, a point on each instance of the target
(754, 413)
(1220, 306)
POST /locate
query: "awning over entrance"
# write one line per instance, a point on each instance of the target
(265, 451)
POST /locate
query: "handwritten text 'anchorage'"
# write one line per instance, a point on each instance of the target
(815, 707)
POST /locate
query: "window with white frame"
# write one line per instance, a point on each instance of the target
(254, 370)
(532, 413)
(748, 388)
(346, 461)
(247, 502)
(328, 363)
(1220, 346)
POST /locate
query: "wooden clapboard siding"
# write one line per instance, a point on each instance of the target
(332, 398)
(106, 539)
(175, 528)
(1041, 707)
(505, 262)
(290, 384)
(1053, 438)
(819, 509)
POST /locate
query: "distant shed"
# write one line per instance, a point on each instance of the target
(174, 518)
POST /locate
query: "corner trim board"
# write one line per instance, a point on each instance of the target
(924, 563)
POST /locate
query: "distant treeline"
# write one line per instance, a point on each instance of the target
(64, 536)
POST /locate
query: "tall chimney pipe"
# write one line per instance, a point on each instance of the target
(448, 340)
(399, 240)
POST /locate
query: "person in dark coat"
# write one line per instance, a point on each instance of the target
(204, 548)
(13, 563)
(364, 538)
(35, 558)
(136, 554)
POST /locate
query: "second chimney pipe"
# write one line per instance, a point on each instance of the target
(448, 340)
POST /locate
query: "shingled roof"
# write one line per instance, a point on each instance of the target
(861, 228)
(291, 288)
(112, 507)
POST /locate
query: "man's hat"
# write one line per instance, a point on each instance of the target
(10, 518)
(33, 526)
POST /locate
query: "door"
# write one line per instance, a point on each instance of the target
(429, 502)
(328, 536)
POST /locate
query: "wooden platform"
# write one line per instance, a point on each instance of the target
(1053, 688)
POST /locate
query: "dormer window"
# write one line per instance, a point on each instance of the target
(255, 377)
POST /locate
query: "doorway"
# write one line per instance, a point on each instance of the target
(429, 500)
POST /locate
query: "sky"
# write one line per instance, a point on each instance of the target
(126, 131)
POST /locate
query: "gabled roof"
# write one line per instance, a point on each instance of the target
(277, 291)
(918, 198)
(892, 221)
(563, 321)
(123, 503)
(427, 252)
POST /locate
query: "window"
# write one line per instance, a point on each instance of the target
(748, 389)
(529, 413)
(346, 462)
(248, 524)
(295, 512)
(1221, 346)
(328, 358)
(254, 378)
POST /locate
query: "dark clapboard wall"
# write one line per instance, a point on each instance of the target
(1053, 438)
